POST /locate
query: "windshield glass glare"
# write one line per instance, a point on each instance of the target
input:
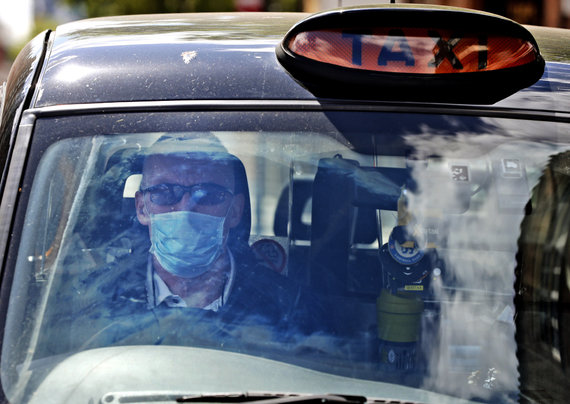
(380, 263)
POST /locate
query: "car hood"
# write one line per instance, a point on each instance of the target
(90, 375)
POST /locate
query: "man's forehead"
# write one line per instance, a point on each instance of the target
(184, 165)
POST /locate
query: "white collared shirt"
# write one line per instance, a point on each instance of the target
(158, 291)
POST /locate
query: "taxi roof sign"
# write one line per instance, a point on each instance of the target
(417, 54)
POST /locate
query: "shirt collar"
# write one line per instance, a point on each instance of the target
(159, 292)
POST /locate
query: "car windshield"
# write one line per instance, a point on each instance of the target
(364, 253)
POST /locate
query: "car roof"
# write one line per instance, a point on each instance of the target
(215, 56)
(169, 57)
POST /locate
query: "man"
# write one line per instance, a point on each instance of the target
(194, 200)
(189, 204)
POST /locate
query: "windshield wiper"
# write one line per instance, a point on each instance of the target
(273, 398)
(257, 397)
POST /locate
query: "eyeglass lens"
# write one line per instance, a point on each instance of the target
(201, 194)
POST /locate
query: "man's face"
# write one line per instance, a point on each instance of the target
(187, 172)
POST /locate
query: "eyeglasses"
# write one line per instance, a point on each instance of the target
(206, 194)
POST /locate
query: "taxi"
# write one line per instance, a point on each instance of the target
(363, 205)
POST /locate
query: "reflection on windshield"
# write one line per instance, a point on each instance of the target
(543, 277)
(389, 268)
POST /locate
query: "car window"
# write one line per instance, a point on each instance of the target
(381, 247)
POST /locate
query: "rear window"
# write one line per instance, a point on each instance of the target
(426, 251)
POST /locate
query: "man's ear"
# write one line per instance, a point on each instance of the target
(142, 214)
(236, 211)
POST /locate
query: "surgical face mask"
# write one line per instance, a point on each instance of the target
(186, 243)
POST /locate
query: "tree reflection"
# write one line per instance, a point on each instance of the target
(543, 283)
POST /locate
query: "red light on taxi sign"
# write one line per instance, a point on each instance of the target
(421, 51)
(413, 54)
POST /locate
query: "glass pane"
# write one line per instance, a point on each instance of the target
(386, 257)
